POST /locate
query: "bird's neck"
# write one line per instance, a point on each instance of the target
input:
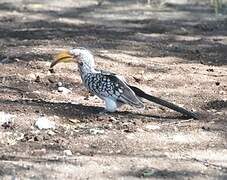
(86, 69)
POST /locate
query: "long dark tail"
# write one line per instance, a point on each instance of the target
(162, 102)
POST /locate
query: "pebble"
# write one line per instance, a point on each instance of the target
(31, 76)
(39, 152)
(44, 123)
(130, 136)
(113, 119)
(96, 131)
(148, 173)
(63, 90)
(6, 118)
(60, 84)
(67, 152)
(139, 130)
(212, 110)
(220, 113)
(152, 127)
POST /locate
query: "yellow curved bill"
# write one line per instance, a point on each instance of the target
(63, 56)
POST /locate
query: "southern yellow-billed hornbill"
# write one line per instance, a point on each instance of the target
(110, 87)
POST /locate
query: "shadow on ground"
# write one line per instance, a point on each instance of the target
(78, 111)
(146, 37)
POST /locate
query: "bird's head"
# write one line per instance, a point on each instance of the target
(81, 56)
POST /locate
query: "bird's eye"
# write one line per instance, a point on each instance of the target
(81, 63)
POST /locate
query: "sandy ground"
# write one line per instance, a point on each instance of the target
(174, 51)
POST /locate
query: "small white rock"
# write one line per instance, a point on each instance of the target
(37, 92)
(113, 119)
(139, 130)
(152, 127)
(44, 123)
(6, 118)
(31, 76)
(96, 131)
(67, 152)
(63, 90)
(130, 136)
(60, 84)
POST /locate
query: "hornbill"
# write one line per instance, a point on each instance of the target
(111, 88)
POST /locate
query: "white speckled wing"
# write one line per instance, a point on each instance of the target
(105, 85)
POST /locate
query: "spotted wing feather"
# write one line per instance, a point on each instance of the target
(106, 84)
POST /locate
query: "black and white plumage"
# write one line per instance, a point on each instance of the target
(107, 86)
(111, 88)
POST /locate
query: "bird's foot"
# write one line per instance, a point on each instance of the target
(104, 112)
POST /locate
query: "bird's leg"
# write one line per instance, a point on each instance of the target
(103, 112)
(110, 105)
